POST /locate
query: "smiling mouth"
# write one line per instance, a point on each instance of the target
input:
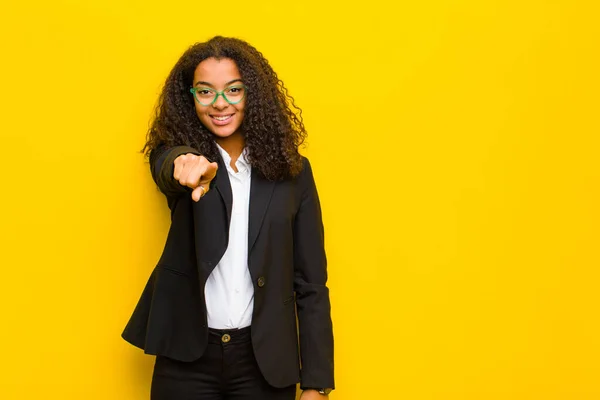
(222, 118)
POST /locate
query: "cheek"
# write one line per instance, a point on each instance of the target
(201, 113)
(241, 108)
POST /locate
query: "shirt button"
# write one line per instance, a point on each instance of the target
(261, 281)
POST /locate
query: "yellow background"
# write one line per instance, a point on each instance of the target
(455, 146)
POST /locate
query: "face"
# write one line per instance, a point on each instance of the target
(221, 118)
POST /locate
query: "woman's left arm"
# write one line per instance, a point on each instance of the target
(312, 294)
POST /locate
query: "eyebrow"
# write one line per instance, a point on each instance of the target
(210, 84)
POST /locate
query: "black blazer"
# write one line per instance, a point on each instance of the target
(286, 261)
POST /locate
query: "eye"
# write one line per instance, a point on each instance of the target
(235, 91)
(204, 92)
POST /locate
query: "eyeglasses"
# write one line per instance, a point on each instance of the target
(208, 96)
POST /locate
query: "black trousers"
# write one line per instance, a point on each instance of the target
(227, 371)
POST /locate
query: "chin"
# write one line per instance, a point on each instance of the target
(224, 133)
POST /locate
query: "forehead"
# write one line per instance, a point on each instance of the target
(216, 71)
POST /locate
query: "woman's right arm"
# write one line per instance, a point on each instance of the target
(181, 170)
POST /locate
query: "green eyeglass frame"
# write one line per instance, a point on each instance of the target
(195, 90)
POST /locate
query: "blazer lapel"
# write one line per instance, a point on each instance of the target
(212, 218)
(223, 186)
(260, 196)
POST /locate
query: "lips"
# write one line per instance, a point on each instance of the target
(221, 120)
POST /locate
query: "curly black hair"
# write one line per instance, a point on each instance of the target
(272, 125)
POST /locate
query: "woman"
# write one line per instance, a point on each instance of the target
(244, 261)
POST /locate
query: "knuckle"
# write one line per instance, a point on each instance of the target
(193, 180)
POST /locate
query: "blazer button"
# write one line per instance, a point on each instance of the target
(261, 281)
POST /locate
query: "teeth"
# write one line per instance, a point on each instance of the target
(222, 118)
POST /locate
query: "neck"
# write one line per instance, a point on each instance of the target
(233, 145)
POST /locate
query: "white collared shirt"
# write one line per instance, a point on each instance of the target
(229, 291)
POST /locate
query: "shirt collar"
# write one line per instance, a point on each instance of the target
(241, 163)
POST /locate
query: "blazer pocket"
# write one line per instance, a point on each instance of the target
(289, 300)
(173, 270)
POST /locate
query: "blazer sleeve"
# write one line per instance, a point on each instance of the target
(161, 167)
(312, 295)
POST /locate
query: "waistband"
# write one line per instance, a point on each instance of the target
(242, 335)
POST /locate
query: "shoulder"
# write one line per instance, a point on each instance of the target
(305, 179)
(305, 172)
(306, 167)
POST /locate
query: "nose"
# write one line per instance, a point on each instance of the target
(220, 102)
